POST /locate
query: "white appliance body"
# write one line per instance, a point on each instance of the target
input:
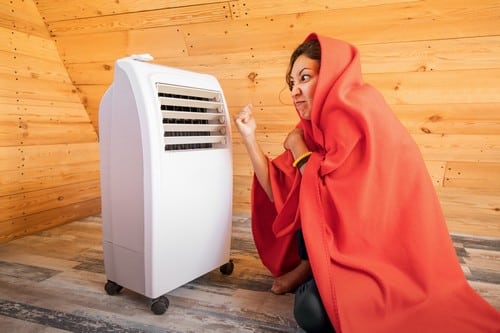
(166, 177)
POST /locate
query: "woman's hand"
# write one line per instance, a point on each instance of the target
(246, 125)
(245, 122)
(296, 144)
(295, 140)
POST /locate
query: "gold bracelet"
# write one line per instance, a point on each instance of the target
(300, 158)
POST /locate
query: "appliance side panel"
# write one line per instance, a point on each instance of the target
(126, 168)
(123, 207)
(105, 119)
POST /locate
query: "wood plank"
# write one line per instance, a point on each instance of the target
(42, 111)
(446, 54)
(91, 98)
(259, 92)
(271, 147)
(242, 194)
(33, 179)
(212, 12)
(109, 46)
(445, 87)
(445, 19)
(60, 10)
(13, 324)
(47, 219)
(471, 211)
(48, 156)
(44, 133)
(242, 165)
(31, 88)
(489, 291)
(456, 147)
(22, 16)
(468, 119)
(92, 73)
(436, 171)
(28, 66)
(262, 8)
(28, 203)
(240, 208)
(484, 176)
(482, 260)
(9, 158)
(243, 169)
(28, 272)
(15, 41)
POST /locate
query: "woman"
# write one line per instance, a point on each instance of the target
(377, 256)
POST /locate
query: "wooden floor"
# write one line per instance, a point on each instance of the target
(54, 282)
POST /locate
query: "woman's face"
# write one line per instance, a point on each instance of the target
(303, 81)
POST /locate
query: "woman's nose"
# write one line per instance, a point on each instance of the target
(295, 91)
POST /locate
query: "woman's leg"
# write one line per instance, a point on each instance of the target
(309, 311)
(289, 281)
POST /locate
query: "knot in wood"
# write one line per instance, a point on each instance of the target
(252, 76)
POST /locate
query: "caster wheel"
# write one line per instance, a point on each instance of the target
(227, 268)
(112, 288)
(160, 305)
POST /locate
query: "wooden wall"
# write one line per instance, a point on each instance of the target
(48, 147)
(436, 62)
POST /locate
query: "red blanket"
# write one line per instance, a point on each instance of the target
(377, 240)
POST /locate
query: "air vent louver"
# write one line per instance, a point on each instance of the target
(192, 118)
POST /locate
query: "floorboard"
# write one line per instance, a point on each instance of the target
(53, 281)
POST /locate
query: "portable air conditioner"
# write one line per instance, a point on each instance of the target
(166, 178)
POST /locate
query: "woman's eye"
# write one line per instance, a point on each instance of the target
(302, 78)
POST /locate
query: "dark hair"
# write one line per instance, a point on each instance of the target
(310, 48)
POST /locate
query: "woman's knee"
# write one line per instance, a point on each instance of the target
(309, 311)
